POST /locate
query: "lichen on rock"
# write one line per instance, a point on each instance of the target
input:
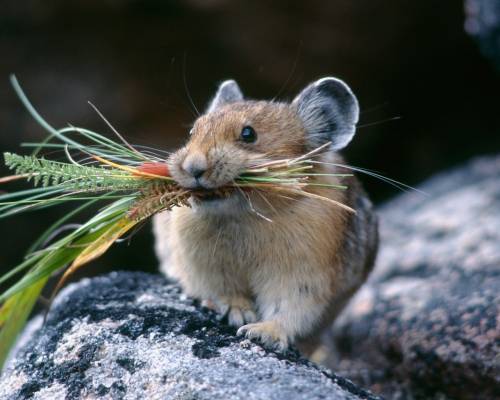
(427, 323)
(136, 336)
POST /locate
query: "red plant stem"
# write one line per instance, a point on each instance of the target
(155, 168)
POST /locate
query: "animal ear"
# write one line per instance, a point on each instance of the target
(228, 92)
(329, 111)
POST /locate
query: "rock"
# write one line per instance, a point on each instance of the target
(483, 23)
(427, 324)
(135, 336)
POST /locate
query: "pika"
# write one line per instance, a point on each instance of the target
(284, 278)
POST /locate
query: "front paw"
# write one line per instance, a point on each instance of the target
(269, 333)
(238, 310)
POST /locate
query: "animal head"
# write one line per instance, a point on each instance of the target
(235, 133)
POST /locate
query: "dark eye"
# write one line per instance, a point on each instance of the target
(248, 134)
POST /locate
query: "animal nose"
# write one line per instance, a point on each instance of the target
(195, 165)
(197, 172)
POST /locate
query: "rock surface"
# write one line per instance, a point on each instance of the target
(134, 336)
(427, 325)
(483, 23)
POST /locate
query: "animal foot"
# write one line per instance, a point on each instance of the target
(238, 310)
(268, 333)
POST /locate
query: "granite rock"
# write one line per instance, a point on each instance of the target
(427, 324)
(483, 24)
(136, 336)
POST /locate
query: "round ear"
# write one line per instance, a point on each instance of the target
(228, 92)
(329, 111)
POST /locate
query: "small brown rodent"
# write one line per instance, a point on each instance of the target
(281, 281)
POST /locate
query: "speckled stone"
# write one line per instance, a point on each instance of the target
(135, 336)
(483, 23)
(427, 325)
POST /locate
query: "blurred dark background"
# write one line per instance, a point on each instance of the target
(408, 59)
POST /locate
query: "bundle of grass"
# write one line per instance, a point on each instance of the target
(136, 182)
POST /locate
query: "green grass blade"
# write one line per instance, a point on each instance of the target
(68, 248)
(28, 262)
(13, 315)
(19, 300)
(41, 121)
(56, 225)
(29, 193)
(113, 149)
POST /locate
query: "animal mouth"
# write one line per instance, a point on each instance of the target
(208, 195)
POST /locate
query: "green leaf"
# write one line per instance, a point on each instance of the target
(13, 315)
(88, 242)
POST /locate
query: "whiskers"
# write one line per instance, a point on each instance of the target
(304, 176)
(399, 185)
(186, 88)
(323, 150)
(383, 121)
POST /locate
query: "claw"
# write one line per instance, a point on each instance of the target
(268, 333)
(238, 310)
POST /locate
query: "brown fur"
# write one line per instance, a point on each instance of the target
(278, 281)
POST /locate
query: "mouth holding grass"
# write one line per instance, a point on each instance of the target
(129, 183)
